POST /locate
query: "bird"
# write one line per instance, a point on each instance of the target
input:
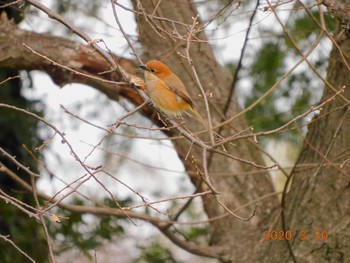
(167, 92)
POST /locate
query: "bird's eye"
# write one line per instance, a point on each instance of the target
(152, 70)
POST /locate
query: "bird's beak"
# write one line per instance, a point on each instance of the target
(143, 67)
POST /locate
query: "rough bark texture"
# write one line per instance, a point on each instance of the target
(318, 198)
(82, 58)
(228, 176)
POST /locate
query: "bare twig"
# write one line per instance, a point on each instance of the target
(286, 125)
(14, 201)
(73, 70)
(168, 199)
(191, 32)
(116, 125)
(8, 79)
(42, 221)
(64, 140)
(6, 238)
(81, 34)
(208, 251)
(13, 159)
(123, 32)
(239, 64)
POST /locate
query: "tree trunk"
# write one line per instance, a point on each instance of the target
(237, 187)
(318, 200)
(319, 194)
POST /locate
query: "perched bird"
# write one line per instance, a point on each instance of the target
(167, 91)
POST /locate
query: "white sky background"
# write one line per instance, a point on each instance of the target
(84, 101)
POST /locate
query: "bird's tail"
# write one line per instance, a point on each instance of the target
(199, 118)
(212, 133)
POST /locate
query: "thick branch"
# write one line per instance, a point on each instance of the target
(80, 58)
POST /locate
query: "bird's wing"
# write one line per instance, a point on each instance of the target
(177, 86)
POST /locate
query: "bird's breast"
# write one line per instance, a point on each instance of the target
(163, 97)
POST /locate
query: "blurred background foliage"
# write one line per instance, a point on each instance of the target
(18, 136)
(274, 57)
(264, 63)
(155, 253)
(84, 233)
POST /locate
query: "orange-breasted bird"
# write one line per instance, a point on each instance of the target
(167, 91)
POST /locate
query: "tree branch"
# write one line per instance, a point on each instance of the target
(206, 251)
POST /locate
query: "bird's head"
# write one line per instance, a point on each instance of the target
(156, 68)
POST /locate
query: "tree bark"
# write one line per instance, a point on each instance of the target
(318, 200)
(78, 57)
(318, 196)
(228, 176)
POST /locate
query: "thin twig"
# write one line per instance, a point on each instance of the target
(208, 251)
(62, 135)
(42, 221)
(239, 64)
(77, 31)
(6, 238)
(206, 178)
(123, 32)
(89, 76)
(168, 199)
(284, 126)
(8, 79)
(116, 125)
(17, 163)
(14, 201)
(190, 61)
